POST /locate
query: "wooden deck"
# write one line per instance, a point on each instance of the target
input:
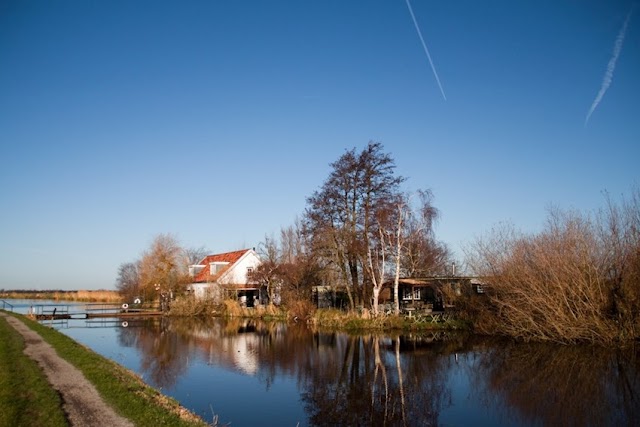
(80, 315)
(88, 311)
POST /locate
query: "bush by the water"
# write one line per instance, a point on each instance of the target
(190, 306)
(576, 280)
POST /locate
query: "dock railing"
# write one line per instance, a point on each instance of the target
(48, 310)
(89, 310)
(6, 304)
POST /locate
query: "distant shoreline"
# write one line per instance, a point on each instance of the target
(100, 295)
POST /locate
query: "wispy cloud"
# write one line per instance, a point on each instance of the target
(424, 45)
(611, 66)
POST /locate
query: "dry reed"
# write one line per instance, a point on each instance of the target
(60, 295)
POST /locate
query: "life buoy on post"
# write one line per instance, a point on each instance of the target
(125, 306)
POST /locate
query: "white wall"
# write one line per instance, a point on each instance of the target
(200, 290)
(237, 275)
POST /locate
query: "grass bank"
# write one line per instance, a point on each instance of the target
(355, 321)
(119, 387)
(26, 399)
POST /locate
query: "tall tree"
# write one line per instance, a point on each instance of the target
(416, 252)
(341, 215)
(194, 255)
(379, 245)
(287, 265)
(422, 254)
(128, 280)
(267, 274)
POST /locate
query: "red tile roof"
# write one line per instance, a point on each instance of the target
(230, 257)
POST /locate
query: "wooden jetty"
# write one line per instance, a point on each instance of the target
(58, 316)
(89, 311)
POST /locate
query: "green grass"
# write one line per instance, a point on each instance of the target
(354, 322)
(26, 399)
(119, 387)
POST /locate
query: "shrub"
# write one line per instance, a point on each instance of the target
(301, 310)
(232, 308)
(576, 280)
(190, 306)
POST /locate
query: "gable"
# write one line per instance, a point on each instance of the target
(214, 267)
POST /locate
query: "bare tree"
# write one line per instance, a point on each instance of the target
(411, 238)
(194, 255)
(399, 237)
(422, 254)
(128, 280)
(378, 246)
(267, 274)
(288, 265)
(293, 243)
(341, 216)
(332, 219)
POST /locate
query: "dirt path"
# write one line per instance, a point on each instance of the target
(81, 401)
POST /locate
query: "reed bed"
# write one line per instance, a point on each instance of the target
(188, 306)
(61, 295)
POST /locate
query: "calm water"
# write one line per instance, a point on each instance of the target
(254, 373)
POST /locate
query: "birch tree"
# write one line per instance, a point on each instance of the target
(412, 239)
(377, 249)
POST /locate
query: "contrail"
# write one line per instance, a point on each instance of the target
(424, 45)
(611, 66)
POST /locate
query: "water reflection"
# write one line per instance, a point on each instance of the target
(374, 380)
(560, 385)
(431, 379)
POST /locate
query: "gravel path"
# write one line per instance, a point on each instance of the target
(81, 401)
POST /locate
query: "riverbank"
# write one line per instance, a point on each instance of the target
(26, 398)
(117, 387)
(362, 322)
(349, 321)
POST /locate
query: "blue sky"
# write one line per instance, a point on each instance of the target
(215, 120)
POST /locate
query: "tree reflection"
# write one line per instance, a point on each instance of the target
(401, 380)
(376, 382)
(162, 358)
(344, 380)
(561, 385)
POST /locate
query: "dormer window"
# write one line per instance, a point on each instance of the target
(217, 267)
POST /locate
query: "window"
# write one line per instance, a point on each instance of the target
(217, 267)
(408, 292)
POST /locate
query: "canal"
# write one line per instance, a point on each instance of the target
(267, 373)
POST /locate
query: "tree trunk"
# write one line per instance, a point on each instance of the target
(396, 278)
(396, 299)
(376, 294)
(353, 269)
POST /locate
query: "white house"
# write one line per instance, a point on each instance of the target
(228, 273)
